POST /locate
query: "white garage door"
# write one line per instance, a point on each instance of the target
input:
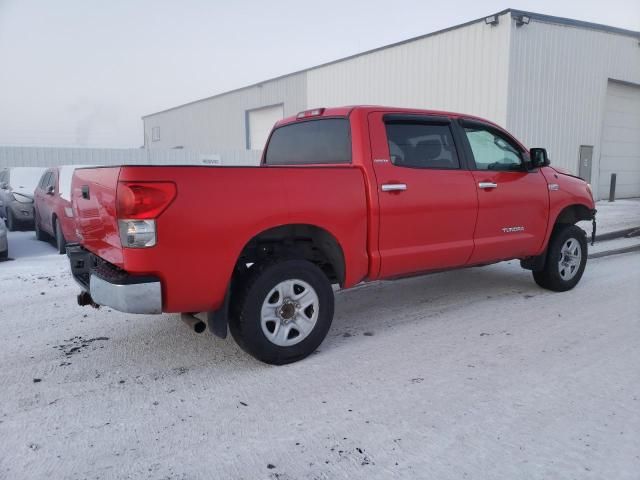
(620, 148)
(260, 122)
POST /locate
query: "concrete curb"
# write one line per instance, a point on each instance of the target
(631, 232)
(616, 251)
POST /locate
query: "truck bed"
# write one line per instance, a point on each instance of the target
(216, 212)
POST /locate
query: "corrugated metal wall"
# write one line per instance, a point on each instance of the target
(219, 122)
(557, 87)
(464, 69)
(545, 82)
(52, 156)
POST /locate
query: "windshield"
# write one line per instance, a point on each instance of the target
(25, 178)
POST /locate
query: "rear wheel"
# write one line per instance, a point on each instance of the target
(282, 311)
(566, 259)
(61, 243)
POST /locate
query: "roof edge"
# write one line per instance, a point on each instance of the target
(513, 12)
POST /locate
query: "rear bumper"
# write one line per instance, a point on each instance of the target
(114, 288)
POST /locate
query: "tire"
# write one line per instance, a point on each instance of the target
(40, 235)
(566, 259)
(282, 310)
(4, 255)
(11, 221)
(61, 243)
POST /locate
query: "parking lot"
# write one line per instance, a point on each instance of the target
(475, 373)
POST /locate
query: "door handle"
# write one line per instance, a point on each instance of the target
(487, 185)
(394, 187)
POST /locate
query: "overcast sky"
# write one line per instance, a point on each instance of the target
(83, 72)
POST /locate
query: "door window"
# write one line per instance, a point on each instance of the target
(51, 181)
(43, 180)
(492, 151)
(421, 145)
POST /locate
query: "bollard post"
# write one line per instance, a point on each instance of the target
(612, 188)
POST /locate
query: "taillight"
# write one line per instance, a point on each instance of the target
(138, 204)
(144, 200)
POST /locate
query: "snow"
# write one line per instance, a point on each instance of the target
(613, 216)
(475, 373)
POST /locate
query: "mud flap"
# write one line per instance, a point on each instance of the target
(218, 320)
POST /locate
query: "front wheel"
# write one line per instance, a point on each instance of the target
(11, 221)
(40, 235)
(282, 311)
(566, 260)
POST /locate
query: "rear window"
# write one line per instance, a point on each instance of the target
(313, 141)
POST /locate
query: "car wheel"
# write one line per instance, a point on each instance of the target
(282, 311)
(40, 235)
(11, 221)
(4, 255)
(61, 243)
(566, 259)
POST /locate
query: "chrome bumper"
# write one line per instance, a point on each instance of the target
(143, 297)
(111, 287)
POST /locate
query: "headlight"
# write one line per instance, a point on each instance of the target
(20, 198)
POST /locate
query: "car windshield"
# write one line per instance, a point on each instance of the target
(64, 180)
(25, 179)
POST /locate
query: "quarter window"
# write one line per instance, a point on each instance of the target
(492, 151)
(421, 145)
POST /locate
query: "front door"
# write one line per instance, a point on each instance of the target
(513, 203)
(427, 200)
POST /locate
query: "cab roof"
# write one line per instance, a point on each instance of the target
(346, 111)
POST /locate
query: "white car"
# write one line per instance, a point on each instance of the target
(4, 244)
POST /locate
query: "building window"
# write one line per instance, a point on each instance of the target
(155, 134)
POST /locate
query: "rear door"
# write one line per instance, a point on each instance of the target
(427, 198)
(513, 202)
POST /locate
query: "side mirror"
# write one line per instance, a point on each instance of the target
(50, 190)
(4, 185)
(539, 157)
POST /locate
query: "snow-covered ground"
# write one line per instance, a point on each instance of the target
(475, 373)
(614, 216)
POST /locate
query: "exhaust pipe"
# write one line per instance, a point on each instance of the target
(193, 322)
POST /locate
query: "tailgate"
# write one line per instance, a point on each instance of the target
(93, 197)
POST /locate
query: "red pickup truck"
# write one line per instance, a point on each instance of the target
(343, 196)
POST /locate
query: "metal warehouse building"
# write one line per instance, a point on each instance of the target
(567, 85)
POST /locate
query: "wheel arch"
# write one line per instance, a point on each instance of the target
(307, 241)
(573, 214)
